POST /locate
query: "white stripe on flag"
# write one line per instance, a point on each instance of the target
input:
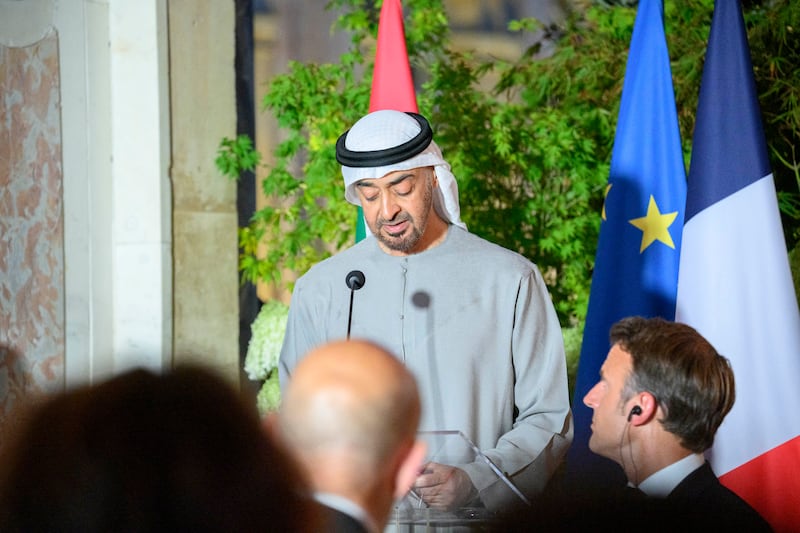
(735, 288)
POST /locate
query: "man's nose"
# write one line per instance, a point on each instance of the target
(590, 400)
(389, 207)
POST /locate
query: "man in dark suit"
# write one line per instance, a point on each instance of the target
(663, 392)
(350, 413)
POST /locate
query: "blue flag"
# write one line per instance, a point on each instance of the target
(636, 267)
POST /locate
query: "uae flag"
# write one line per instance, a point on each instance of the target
(734, 283)
(392, 83)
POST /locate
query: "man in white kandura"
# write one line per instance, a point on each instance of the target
(473, 321)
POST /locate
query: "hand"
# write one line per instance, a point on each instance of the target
(444, 487)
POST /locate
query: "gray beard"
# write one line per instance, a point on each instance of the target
(403, 245)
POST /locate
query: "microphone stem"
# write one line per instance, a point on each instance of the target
(350, 315)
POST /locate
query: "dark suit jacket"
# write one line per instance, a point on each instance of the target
(700, 503)
(705, 502)
(336, 521)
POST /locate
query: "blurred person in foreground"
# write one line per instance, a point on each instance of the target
(350, 415)
(181, 451)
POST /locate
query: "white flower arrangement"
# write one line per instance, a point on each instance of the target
(263, 352)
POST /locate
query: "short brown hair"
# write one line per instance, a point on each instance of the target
(693, 384)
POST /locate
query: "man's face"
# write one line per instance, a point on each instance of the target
(397, 207)
(605, 398)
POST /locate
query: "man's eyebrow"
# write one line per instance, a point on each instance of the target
(398, 179)
(401, 178)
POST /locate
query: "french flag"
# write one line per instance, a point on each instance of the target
(734, 283)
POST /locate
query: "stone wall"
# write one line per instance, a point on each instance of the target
(204, 218)
(31, 223)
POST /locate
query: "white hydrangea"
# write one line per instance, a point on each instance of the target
(265, 343)
(269, 397)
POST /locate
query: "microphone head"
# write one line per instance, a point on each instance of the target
(354, 279)
(421, 299)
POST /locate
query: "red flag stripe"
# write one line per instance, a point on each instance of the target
(756, 479)
(392, 84)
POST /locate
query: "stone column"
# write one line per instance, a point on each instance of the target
(203, 111)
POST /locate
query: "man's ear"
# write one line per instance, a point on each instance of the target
(409, 468)
(648, 406)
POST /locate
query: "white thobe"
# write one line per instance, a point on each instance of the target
(475, 324)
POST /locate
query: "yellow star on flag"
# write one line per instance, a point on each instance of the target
(655, 226)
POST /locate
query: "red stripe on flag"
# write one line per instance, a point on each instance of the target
(779, 467)
(392, 84)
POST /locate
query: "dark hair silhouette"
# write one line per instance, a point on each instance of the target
(144, 452)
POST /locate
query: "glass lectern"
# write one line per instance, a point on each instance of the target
(450, 447)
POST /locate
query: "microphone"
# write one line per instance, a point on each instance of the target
(354, 280)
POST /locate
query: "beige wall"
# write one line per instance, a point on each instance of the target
(144, 93)
(203, 111)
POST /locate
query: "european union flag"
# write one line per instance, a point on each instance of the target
(636, 267)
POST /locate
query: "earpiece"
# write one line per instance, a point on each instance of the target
(635, 410)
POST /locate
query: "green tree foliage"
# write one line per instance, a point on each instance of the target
(531, 153)
(773, 27)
